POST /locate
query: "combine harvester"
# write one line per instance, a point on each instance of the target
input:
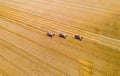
(50, 34)
(78, 37)
(62, 35)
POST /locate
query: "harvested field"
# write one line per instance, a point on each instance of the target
(26, 50)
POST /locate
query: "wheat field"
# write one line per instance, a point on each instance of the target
(26, 50)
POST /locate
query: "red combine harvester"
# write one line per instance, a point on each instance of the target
(78, 37)
(50, 34)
